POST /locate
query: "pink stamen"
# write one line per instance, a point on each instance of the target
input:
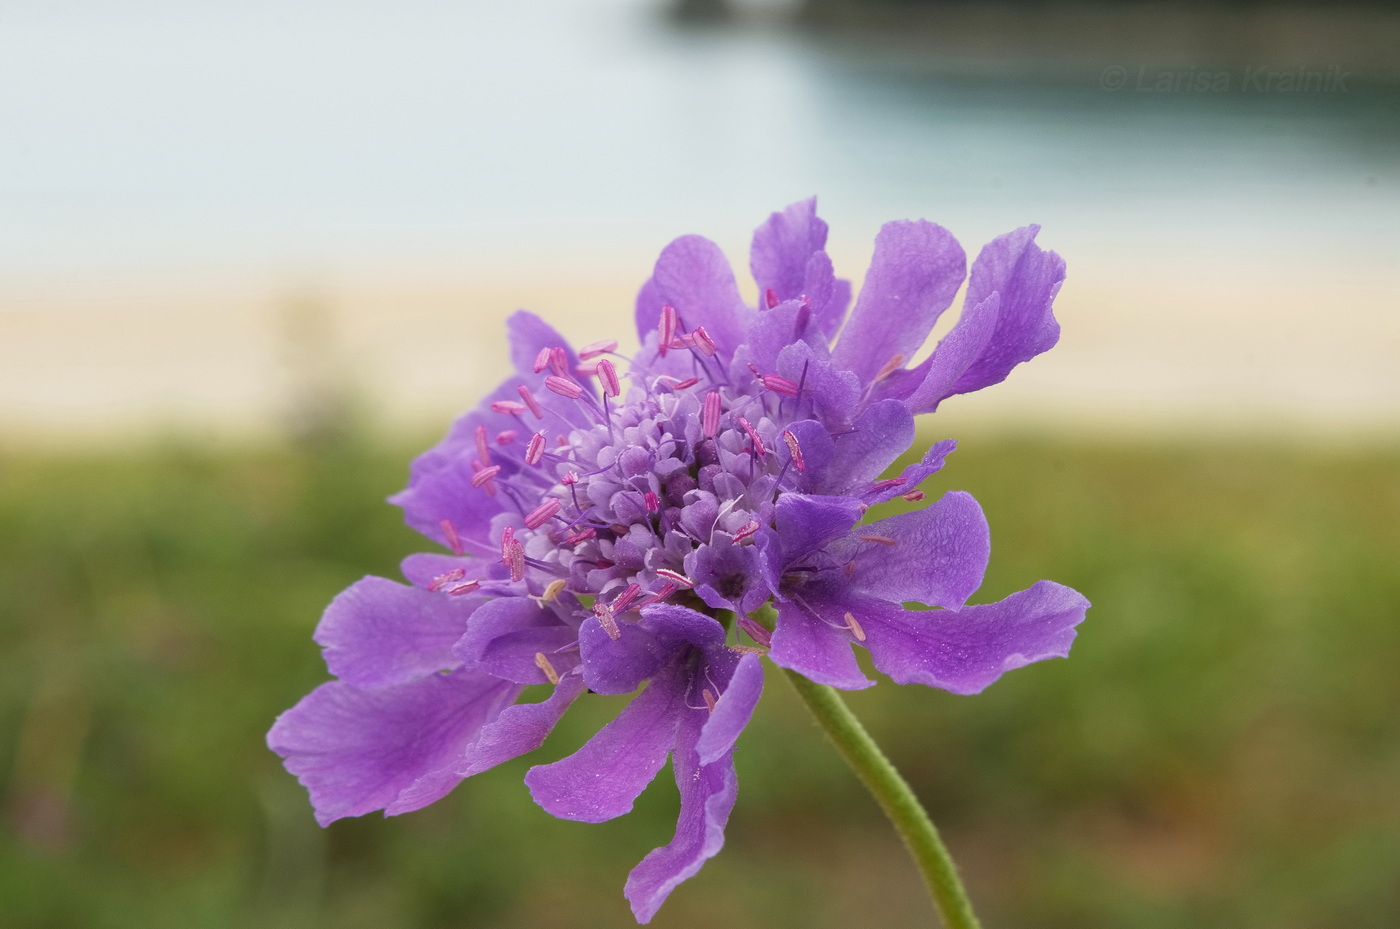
(748, 530)
(794, 450)
(454, 541)
(466, 588)
(509, 407)
(563, 387)
(629, 594)
(709, 415)
(679, 385)
(771, 297)
(485, 475)
(879, 540)
(535, 450)
(581, 536)
(558, 361)
(703, 341)
(517, 561)
(570, 478)
(507, 539)
(913, 496)
(587, 368)
(758, 447)
(855, 628)
(607, 374)
(542, 360)
(780, 385)
(530, 401)
(594, 349)
(653, 502)
(506, 436)
(709, 698)
(483, 448)
(606, 620)
(666, 329)
(542, 513)
(756, 632)
(885, 484)
(666, 590)
(675, 577)
(442, 580)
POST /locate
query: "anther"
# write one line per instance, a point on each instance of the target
(509, 407)
(854, 626)
(583, 535)
(454, 541)
(879, 540)
(542, 360)
(794, 450)
(563, 387)
(758, 446)
(709, 415)
(553, 590)
(442, 580)
(535, 450)
(756, 631)
(517, 561)
(485, 475)
(885, 484)
(675, 577)
(666, 590)
(606, 620)
(558, 361)
(544, 665)
(569, 478)
(607, 375)
(682, 385)
(483, 448)
(709, 698)
(891, 366)
(507, 539)
(466, 588)
(506, 436)
(703, 341)
(913, 496)
(624, 599)
(652, 501)
(770, 296)
(747, 531)
(594, 349)
(666, 329)
(780, 385)
(530, 401)
(542, 513)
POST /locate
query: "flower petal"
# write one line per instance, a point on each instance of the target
(917, 268)
(807, 523)
(527, 335)
(693, 275)
(961, 347)
(358, 750)
(913, 475)
(1027, 278)
(732, 711)
(377, 632)
(504, 636)
(782, 247)
(939, 555)
(619, 666)
(815, 648)
(966, 650)
(880, 434)
(602, 779)
(707, 794)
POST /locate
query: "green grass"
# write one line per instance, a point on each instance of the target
(1221, 750)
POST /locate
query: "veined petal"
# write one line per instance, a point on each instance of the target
(913, 475)
(377, 632)
(504, 636)
(732, 711)
(966, 650)
(880, 434)
(967, 342)
(693, 275)
(619, 666)
(707, 794)
(938, 556)
(1027, 278)
(357, 751)
(528, 334)
(816, 647)
(783, 245)
(807, 523)
(917, 268)
(602, 779)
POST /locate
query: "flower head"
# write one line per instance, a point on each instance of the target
(730, 464)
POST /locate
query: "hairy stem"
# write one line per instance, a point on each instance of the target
(895, 797)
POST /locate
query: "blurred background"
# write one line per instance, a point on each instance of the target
(254, 256)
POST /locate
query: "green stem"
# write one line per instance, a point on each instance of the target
(895, 797)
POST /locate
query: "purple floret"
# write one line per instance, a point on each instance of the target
(601, 524)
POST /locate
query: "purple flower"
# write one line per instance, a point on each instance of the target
(603, 524)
